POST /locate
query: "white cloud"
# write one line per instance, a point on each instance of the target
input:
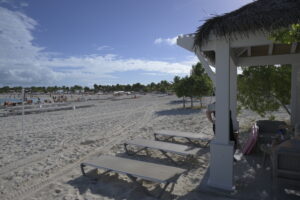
(23, 63)
(19, 59)
(168, 41)
(104, 47)
(153, 74)
(14, 3)
(93, 67)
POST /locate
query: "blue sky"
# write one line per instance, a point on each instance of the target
(67, 42)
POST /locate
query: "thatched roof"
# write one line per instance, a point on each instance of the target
(261, 15)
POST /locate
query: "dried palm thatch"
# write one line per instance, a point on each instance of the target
(261, 15)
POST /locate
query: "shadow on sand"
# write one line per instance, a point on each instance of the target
(252, 181)
(178, 111)
(110, 185)
(175, 102)
(117, 186)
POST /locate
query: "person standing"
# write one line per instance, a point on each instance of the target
(211, 116)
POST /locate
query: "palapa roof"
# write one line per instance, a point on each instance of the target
(260, 15)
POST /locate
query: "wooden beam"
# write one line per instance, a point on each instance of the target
(238, 41)
(270, 50)
(206, 66)
(186, 42)
(269, 60)
(253, 39)
(294, 47)
(210, 45)
(241, 52)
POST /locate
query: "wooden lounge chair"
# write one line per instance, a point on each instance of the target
(163, 147)
(160, 174)
(191, 137)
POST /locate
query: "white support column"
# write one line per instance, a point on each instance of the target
(221, 162)
(295, 94)
(233, 93)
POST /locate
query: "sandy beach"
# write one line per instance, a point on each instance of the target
(43, 163)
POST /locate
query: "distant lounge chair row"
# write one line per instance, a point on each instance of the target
(46, 109)
(157, 173)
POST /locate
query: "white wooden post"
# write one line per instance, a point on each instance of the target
(295, 94)
(221, 162)
(233, 92)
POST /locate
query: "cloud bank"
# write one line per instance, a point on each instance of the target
(167, 41)
(24, 63)
(104, 47)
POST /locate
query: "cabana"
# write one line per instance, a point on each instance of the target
(241, 38)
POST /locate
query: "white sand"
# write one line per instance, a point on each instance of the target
(45, 163)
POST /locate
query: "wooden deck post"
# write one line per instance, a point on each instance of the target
(221, 163)
(295, 95)
(233, 93)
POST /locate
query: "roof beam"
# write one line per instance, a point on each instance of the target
(206, 66)
(241, 52)
(269, 60)
(294, 47)
(253, 39)
(210, 45)
(186, 41)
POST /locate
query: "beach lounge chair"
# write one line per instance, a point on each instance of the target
(160, 174)
(163, 147)
(191, 137)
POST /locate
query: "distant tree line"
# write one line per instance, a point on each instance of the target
(163, 86)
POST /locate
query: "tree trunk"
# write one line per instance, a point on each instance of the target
(286, 109)
(282, 104)
(192, 104)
